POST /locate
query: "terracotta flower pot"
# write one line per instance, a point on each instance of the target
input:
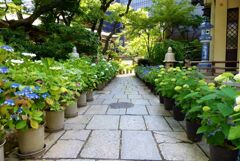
(54, 121)
(192, 128)
(90, 95)
(2, 150)
(218, 153)
(31, 140)
(169, 103)
(71, 110)
(82, 100)
(178, 114)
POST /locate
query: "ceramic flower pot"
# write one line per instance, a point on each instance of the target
(169, 103)
(218, 153)
(90, 95)
(31, 140)
(161, 99)
(71, 110)
(191, 130)
(82, 100)
(2, 150)
(178, 114)
(54, 121)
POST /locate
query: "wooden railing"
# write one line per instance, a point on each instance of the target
(217, 67)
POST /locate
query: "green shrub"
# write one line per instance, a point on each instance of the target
(180, 48)
(53, 40)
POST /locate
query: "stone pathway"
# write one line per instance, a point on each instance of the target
(142, 132)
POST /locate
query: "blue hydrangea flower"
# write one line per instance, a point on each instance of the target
(7, 48)
(27, 90)
(19, 93)
(9, 102)
(45, 95)
(32, 96)
(1, 91)
(15, 85)
(15, 117)
(20, 110)
(4, 70)
(37, 88)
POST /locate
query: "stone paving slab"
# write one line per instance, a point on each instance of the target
(140, 101)
(158, 110)
(120, 111)
(139, 145)
(75, 160)
(52, 138)
(82, 110)
(102, 144)
(81, 119)
(76, 135)
(157, 123)
(76, 126)
(65, 149)
(137, 110)
(171, 137)
(132, 123)
(97, 109)
(183, 152)
(174, 124)
(108, 122)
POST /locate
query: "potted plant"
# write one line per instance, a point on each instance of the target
(2, 137)
(220, 123)
(69, 102)
(22, 107)
(166, 87)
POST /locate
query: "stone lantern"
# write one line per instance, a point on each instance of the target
(169, 58)
(205, 39)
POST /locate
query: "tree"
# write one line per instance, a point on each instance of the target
(48, 8)
(170, 14)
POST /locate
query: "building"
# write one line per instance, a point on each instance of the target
(225, 17)
(136, 4)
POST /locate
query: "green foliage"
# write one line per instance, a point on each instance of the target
(181, 50)
(54, 41)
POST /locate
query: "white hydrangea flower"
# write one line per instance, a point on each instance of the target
(238, 100)
(236, 108)
(237, 77)
(55, 68)
(29, 54)
(93, 64)
(17, 61)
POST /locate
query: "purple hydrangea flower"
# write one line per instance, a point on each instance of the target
(15, 85)
(32, 96)
(4, 70)
(7, 48)
(9, 102)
